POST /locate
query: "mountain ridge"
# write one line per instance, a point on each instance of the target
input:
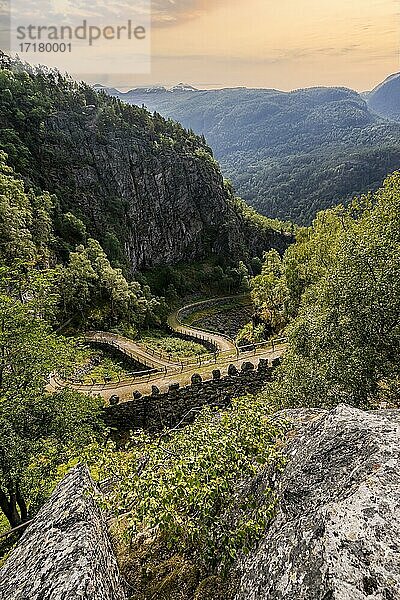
(289, 154)
(138, 183)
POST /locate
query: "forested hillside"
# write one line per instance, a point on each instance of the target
(337, 292)
(288, 154)
(148, 190)
(384, 99)
(91, 191)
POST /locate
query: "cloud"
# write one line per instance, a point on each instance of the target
(97, 11)
(281, 55)
(171, 12)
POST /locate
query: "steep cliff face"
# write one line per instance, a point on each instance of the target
(164, 204)
(147, 189)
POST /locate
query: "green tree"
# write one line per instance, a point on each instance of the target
(270, 294)
(94, 293)
(344, 342)
(39, 432)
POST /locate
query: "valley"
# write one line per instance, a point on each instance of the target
(289, 154)
(162, 370)
(197, 401)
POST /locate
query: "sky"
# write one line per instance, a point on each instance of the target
(283, 44)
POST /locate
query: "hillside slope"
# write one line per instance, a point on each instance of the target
(288, 154)
(148, 190)
(385, 98)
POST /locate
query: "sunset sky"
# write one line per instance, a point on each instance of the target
(283, 44)
(268, 43)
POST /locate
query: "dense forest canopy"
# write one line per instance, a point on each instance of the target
(338, 289)
(288, 154)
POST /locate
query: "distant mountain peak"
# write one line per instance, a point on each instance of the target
(183, 87)
(385, 97)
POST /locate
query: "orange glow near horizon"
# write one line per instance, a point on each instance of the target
(285, 45)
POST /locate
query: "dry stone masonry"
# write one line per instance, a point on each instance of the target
(158, 410)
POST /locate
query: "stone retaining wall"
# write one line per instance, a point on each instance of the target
(157, 411)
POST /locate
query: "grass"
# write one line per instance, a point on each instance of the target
(215, 310)
(99, 365)
(171, 345)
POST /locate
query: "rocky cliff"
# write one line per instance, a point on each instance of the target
(337, 532)
(66, 553)
(147, 189)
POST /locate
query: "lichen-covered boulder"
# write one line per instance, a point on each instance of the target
(65, 553)
(336, 535)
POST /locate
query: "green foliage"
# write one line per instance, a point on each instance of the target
(91, 291)
(185, 486)
(251, 334)
(207, 278)
(269, 292)
(206, 155)
(343, 278)
(95, 294)
(38, 433)
(29, 350)
(25, 223)
(255, 219)
(171, 345)
(100, 365)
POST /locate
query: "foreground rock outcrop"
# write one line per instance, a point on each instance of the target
(66, 553)
(337, 532)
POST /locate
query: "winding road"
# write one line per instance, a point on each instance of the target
(162, 369)
(221, 342)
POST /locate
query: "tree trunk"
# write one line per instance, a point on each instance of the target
(9, 508)
(22, 504)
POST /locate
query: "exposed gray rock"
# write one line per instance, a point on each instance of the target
(161, 204)
(66, 553)
(337, 532)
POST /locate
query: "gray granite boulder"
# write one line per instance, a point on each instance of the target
(336, 535)
(66, 552)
